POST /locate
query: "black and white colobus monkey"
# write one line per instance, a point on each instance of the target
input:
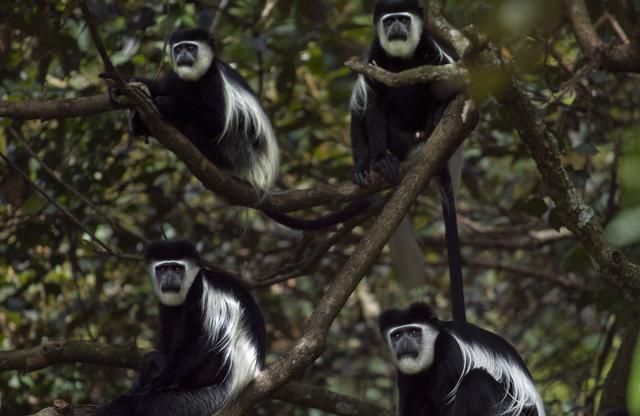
(387, 123)
(212, 105)
(211, 344)
(455, 368)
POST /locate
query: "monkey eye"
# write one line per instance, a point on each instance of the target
(414, 333)
(161, 268)
(192, 48)
(404, 19)
(395, 335)
(177, 268)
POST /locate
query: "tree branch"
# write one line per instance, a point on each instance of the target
(575, 214)
(448, 136)
(61, 352)
(55, 109)
(316, 397)
(211, 177)
(58, 178)
(421, 74)
(56, 352)
(440, 26)
(69, 214)
(618, 56)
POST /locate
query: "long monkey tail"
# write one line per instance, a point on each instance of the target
(354, 208)
(449, 179)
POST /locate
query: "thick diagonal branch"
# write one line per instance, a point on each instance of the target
(448, 136)
(575, 214)
(211, 177)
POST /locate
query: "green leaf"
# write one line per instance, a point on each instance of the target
(625, 228)
(633, 388)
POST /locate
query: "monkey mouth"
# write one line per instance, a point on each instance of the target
(185, 62)
(397, 37)
(170, 289)
(407, 354)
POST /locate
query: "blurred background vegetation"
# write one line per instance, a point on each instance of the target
(525, 280)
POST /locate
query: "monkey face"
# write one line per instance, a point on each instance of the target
(400, 33)
(191, 59)
(397, 26)
(406, 341)
(412, 347)
(185, 53)
(172, 279)
(170, 276)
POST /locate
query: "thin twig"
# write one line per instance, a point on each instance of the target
(166, 39)
(53, 202)
(301, 268)
(66, 212)
(70, 188)
(617, 28)
(216, 19)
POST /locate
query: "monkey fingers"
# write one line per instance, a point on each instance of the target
(117, 97)
(140, 88)
(142, 91)
(389, 167)
(361, 177)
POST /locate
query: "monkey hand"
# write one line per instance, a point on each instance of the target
(140, 87)
(119, 98)
(389, 166)
(361, 177)
(142, 91)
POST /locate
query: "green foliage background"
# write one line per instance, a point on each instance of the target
(547, 299)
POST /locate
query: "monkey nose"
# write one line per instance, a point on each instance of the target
(170, 283)
(184, 59)
(397, 32)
